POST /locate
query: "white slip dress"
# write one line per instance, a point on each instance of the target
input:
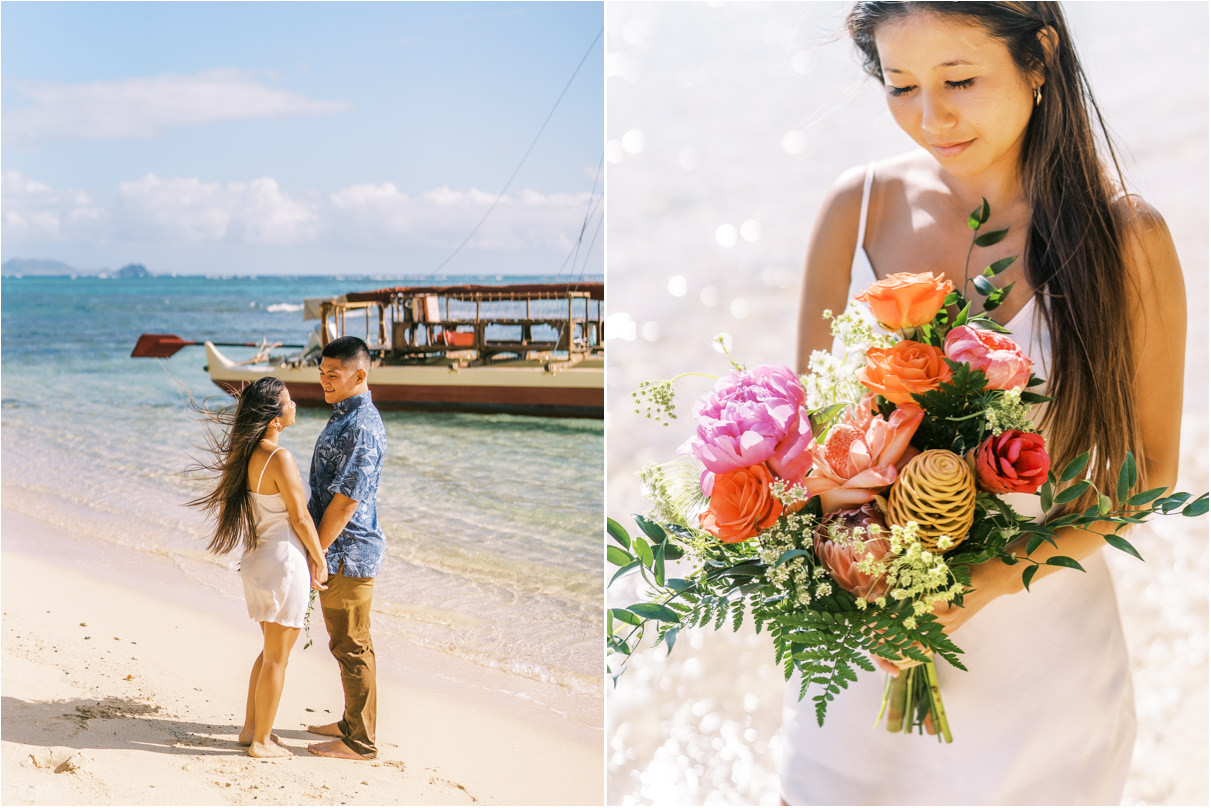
(1044, 714)
(277, 582)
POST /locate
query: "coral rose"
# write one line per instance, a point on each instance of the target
(996, 354)
(753, 416)
(905, 300)
(1013, 462)
(907, 367)
(741, 504)
(841, 557)
(858, 458)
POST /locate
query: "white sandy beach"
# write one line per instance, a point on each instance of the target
(124, 683)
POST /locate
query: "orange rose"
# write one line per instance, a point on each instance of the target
(905, 300)
(905, 368)
(741, 504)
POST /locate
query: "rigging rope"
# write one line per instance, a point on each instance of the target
(533, 143)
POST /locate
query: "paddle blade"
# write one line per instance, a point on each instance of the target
(159, 346)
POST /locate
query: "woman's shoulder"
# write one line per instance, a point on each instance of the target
(889, 175)
(1148, 245)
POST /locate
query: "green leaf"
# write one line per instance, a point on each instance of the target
(1027, 575)
(788, 555)
(991, 237)
(622, 615)
(1119, 543)
(1075, 466)
(961, 317)
(633, 565)
(1065, 561)
(1034, 543)
(1145, 497)
(1104, 505)
(618, 533)
(1045, 497)
(1196, 508)
(997, 297)
(1072, 492)
(670, 637)
(654, 531)
(655, 611)
(983, 285)
(1034, 398)
(617, 556)
(644, 552)
(979, 215)
(658, 562)
(1126, 477)
(997, 267)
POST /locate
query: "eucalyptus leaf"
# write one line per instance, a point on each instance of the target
(1065, 561)
(1145, 497)
(1126, 477)
(1075, 466)
(618, 533)
(644, 552)
(1119, 543)
(670, 637)
(997, 267)
(654, 531)
(624, 616)
(624, 570)
(1196, 508)
(655, 611)
(617, 556)
(991, 237)
(983, 285)
(1072, 492)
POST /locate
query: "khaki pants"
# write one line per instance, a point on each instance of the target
(346, 606)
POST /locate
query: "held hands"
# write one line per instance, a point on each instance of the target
(319, 573)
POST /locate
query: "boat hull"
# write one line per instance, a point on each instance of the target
(523, 388)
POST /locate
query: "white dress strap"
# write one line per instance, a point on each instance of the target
(870, 178)
(258, 481)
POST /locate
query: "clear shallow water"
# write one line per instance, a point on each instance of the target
(493, 522)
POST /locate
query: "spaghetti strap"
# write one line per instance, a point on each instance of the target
(257, 490)
(870, 177)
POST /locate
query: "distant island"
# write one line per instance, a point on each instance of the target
(44, 267)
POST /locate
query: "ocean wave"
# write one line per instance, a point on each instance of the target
(275, 307)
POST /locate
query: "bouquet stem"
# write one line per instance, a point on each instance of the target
(913, 696)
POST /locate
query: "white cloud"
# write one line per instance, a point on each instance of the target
(145, 106)
(188, 211)
(256, 212)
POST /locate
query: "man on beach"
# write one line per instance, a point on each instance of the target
(345, 470)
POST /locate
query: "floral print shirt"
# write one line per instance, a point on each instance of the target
(348, 459)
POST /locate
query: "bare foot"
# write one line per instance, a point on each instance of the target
(331, 730)
(335, 749)
(246, 740)
(268, 750)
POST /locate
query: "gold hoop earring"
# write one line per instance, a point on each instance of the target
(1038, 95)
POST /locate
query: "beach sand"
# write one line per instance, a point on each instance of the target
(124, 683)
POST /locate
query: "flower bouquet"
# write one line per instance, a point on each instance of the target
(841, 508)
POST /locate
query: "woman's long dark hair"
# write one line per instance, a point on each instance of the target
(1075, 245)
(231, 443)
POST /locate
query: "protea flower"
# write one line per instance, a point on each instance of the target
(841, 551)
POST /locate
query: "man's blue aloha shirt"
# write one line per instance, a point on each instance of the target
(348, 459)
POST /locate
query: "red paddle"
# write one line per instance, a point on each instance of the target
(162, 346)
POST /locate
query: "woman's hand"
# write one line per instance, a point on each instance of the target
(319, 573)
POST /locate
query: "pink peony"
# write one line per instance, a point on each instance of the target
(841, 557)
(996, 354)
(858, 458)
(753, 416)
(1013, 462)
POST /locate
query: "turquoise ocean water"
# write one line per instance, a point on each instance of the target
(493, 522)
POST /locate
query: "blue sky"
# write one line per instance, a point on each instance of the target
(301, 137)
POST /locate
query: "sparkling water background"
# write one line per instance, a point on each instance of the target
(726, 125)
(492, 521)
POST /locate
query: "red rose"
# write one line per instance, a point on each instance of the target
(1013, 462)
(741, 504)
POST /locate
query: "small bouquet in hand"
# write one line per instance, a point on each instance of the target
(841, 508)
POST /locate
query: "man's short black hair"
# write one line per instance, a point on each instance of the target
(348, 349)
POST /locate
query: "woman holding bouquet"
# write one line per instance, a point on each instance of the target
(995, 97)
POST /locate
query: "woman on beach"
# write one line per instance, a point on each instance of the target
(260, 505)
(995, 97)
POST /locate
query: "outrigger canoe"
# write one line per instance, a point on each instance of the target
(530, 349)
